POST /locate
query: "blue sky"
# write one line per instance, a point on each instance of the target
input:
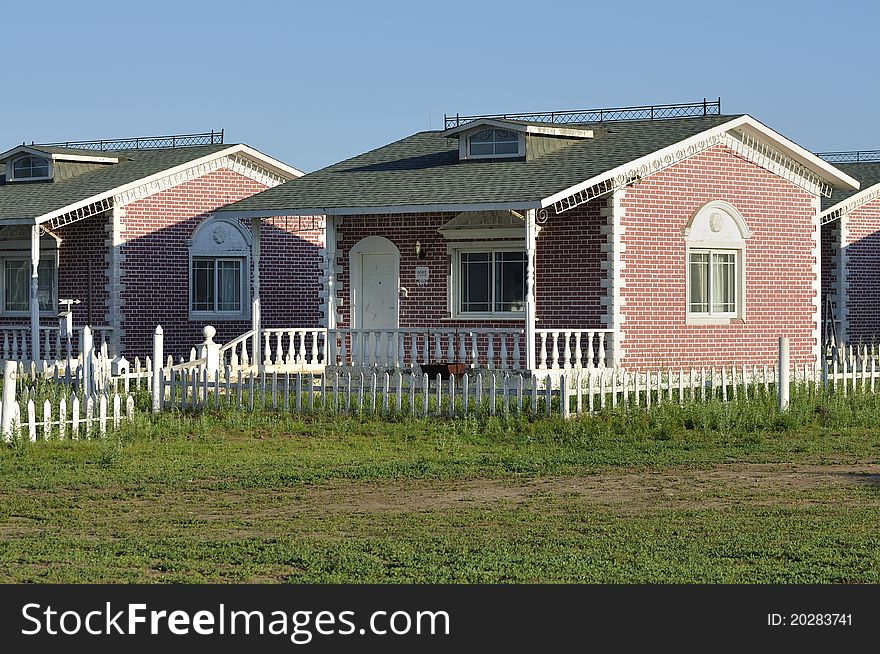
(315, 82)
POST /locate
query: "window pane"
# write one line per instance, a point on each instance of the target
(228, 286)
(723, 282)
(17, 275)
(46, 285)
(482, 148)
(203, 285)
(509, 147)
(510, 281)
(475, 281)
(699, 281)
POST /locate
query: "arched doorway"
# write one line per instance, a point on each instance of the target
(375, 284)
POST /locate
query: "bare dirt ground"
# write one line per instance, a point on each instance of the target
(641, 490)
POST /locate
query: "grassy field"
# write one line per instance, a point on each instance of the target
(704, 493)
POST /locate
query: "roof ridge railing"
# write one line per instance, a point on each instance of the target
(145, 142)
(851, 156)
(643, 112)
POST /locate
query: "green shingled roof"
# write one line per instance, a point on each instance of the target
(34, 199)
(424, 169)
(867, 173)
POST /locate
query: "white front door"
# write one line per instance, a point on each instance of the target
(379, 291)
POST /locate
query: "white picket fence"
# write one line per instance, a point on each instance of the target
(74, 415)
(487, 392)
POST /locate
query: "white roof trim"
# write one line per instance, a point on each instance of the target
(273, 164)
(57, 156)
(852, 203)
(548, 130)
(836, 177)
(404, 208)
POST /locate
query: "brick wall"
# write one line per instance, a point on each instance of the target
(862, 256)
(155, 231)
(568, 280)
(779, 265)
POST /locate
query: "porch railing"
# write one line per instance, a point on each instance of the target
(16, 342)
(565, 349)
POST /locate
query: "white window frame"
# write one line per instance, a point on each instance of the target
(727, 236)
(216, 314)
(10, 169)
(454, 279)
(45, 255)
(710, 315)
(465, 146)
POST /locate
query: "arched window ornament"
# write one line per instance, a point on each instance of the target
(30, 167)
(716, 245)
(219, 270)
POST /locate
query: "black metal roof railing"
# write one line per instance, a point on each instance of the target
(851, 156)
(145, 142)
(645, 112)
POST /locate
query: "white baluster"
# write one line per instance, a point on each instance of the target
(542, 364)
(438, 353)
(279, 351)
(601, 349)
(244, 352)
(267, 349)
(590, 353)
(504, 351)
(426, 349)
(391, 353)
(578, 355)
(567, 350)
(450, 347)
(517, 353)
(554, 363)
(475, 356)
(314, 335)
(401, 350)
(490, 351)
(414, 350)
(462, 354)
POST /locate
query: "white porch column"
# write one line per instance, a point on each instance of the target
(255, 298)
(531, 246)
(330, 246)
(34, 293)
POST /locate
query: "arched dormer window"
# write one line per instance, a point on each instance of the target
(494, 143)
(219, 270)
(716, 246)
(30, 167)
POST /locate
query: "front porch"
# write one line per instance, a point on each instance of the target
(359, 350)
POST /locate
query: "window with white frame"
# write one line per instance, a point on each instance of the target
(489, 282)
(30, 167)
(716, 238)
(217, 285)
(713, 282)
(494, 143)
(219, 270)
(17, 284)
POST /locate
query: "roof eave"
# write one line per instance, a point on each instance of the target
(397, 209)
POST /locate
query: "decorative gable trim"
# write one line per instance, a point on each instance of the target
(742, 135)
(241, 165)
(850, 204)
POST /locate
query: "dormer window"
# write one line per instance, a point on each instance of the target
(494, 143)
(30, 167)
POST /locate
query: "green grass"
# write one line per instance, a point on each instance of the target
(668, 495)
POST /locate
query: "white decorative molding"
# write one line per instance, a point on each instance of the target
(115, 271)
(236, 163)
(615, 317)
(850, 204)
(745, 145)
(816, 252)
(843, 279)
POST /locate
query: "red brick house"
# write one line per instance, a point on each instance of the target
(652, 236)
(851, 251)
(124, 228)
